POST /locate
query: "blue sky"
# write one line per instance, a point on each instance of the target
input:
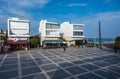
(88, 12)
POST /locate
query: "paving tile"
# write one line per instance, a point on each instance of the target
(35, 76)
(112, 61)
(43, 62)
(42, 59)
(75, 70)
(114, 68)
(90, 60)
(51, 56)
(8, 67)
(58, 74)
(72, 78)
(32, 70)
(89, 66)
(65, 64)
(78, 62)
(28, 64)
(26, 60)
(89, 76)
(57, 60)
(12, 55)
(1, 59)
(101, 63)
(108, 74)
(36, 54)
(8, 62)
(2, 55)
(13, 59)
(50, 67)
(99, 58)
(8, 74)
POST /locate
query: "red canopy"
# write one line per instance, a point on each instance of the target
(16, 42)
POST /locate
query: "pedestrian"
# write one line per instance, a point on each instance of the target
(64, 48)
(115, 49)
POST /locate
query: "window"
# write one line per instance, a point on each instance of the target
(52, 26)
(76, 33)
(77, 27)
(47, 32)
(51, 32)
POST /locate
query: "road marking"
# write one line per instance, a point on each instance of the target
(3, 60)
(19, 67)
(39, 66)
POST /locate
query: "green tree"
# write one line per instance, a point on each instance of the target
(117, 41)
(34, 40)
(63, 39)
(6, 35)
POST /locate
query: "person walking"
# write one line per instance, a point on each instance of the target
(64, 48)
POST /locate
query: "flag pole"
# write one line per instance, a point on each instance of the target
(100, 35)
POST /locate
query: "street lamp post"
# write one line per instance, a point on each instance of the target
(100, 36)
(40, 39)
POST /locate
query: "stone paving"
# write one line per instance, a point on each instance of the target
(81, 63)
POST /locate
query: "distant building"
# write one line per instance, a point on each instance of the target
(2, 37)
(18, 33)
(73, 33)
(51, 32)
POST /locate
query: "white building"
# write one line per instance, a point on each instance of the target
(72, 33)
(18, 31)
(18, 28)
(49, 30)
(2, 37)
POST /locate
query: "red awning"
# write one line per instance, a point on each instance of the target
(16, 42)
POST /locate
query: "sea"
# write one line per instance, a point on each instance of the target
(103, 40)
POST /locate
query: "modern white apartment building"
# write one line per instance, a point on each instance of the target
(18, 32)
(52, 31)
(73, 33)
(18, 28)
(49, 30)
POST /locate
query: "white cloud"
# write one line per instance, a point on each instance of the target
(109, 23)
(19, 7)
(107, 16)
(19, 12)
(3, 21)
(26, 3)
(76, 4)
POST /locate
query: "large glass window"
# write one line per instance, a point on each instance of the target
(76, 33)
(77, 27)
(52, 26)
(51, 32)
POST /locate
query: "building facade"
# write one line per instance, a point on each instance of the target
(53, 31)
(73, 33)
(2, 38)
(49, 31)
(18, 33)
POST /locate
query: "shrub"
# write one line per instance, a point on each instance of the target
(72, 45)
(63, 39)
(117, 41)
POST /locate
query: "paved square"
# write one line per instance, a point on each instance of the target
(74, 63)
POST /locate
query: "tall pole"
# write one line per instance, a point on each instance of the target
(100, 36)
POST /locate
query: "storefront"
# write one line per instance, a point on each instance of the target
(53, 44)
(17, 45)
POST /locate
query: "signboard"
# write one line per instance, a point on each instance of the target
(15, 39)
(19, 28)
